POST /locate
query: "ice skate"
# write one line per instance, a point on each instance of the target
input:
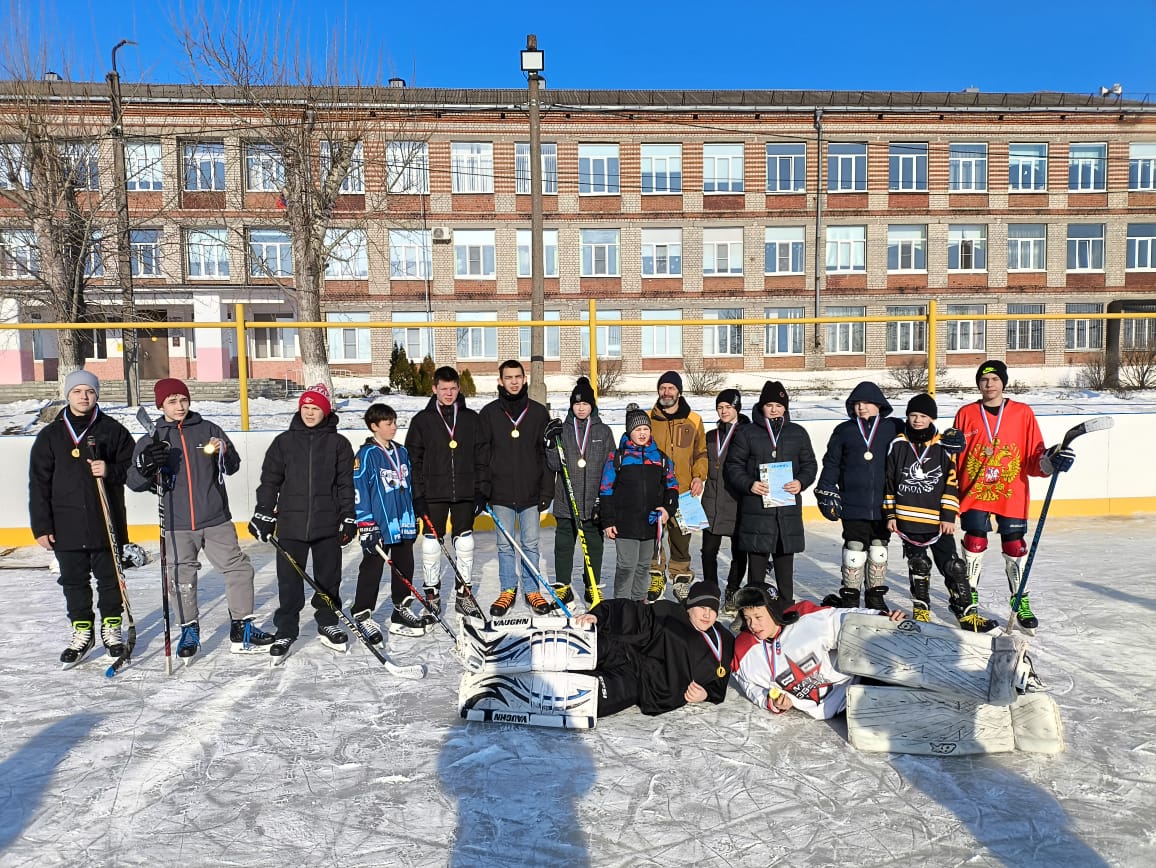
(279, 650)
(244, 638)
(190, 642)
(368, 626)
(657, 586)
(539, 603)
(682, 586)
(111, 636)
(333, 638)
(503, 604)
(406, 622)
(81, 643)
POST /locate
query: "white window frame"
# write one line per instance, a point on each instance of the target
(845, 338)
(722, 251)
(1083, 335)
(784, 249)
(407, 168)
(475, 252)
(907, 336)
(410, 255)
(1025, 334)
(549, 252)
(264, 168)
(846, 249)
(273, 342)
(552, 336)
(19, 254)
(783, 339)
(204, 167)
(967, 167)
(339, 339)
(418, 342)
(967, 247)
(145, 252)
(1138, 334)
(143, 165)
(207, 253)
(598, 169)
(786, 167)
(549, 168)
(1085, 250)
(348, 253)
(354, 181)
(608, 337)
(966, 335)
(270, 252)
(83, 159)
(1029, 251)
(661, 252)
(1142, 167)
(93, 344)
(661, 168)
(847, 167)
(1141, 247)
(1087, 167)
(661, 341)
(13, 167)
(907, 167)
(600, 252)
(1030, 164)
(724, 341)
(722, 168)
(472, 167)
(907, 248)
(477, 343)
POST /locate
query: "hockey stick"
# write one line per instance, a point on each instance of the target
(526, 561)
(591, 581)
(1098, 423)
(110, 530)
(460, 583)
(415, 671)
(150, 427)
(381, 553)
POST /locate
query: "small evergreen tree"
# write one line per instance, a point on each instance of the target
(423, 377)
(401, 371)
(466, 383)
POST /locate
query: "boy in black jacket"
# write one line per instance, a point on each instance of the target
(306, 499)
(66, 514)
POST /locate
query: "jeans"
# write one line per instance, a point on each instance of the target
(524, 525)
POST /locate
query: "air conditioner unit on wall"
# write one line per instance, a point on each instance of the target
(442, 233)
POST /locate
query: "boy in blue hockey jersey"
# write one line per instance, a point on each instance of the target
(385, 520)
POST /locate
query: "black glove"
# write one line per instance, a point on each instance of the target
(347, 531)
(544, 505)
(152, 458)
(1057, 460)
(420, 505)
(830, 504)
(952, 441)
(370, 536)
(480, 504)
(263, 524)
(552, 434)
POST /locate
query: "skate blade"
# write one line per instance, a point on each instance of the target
(64, 667)
(408, 632)
(337, 649)
(248, 649)
(277, 661)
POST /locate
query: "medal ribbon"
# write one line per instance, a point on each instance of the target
(76, 438)
(919, 456)
(715, 648)
(724, 442)
(582, 441)
(771, 434)
(395, 463)
(450, 430)
(868, 439)
(521, 416)
(992, 435)
(771, 658)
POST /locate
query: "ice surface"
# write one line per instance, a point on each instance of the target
(329, 761)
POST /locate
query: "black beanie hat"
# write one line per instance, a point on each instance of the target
(730, 396)
(773, 390)
(583, 393)
(635, 418)
(992, 366)
(673, 378)
(923, 403)
(753, 596)
(703, 594)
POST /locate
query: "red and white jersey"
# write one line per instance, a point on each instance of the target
(1002, 451)
(800, 661)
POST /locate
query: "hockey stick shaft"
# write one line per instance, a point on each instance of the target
(110, 530)
(460, 583)
(381, 553)
(151, 429)
(591, 581)
(528, 563)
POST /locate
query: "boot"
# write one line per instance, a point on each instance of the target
(847, 598)
(190, 641)
(964, 606)
(503, 604)
(80, 644)
(682, 586)
(244, 638)
(921, 598)
(657, 586)
(539, 603)
(873, 599)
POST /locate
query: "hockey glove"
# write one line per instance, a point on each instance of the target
(830, 504)
(480, 504)
(263, 524)
(420, 506)
(152, 458)
(1057, 460)
(544, 504)
(370, 536)
(346, 531)
(552, 434)
(952, 441)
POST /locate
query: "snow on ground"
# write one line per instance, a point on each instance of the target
(328, 760)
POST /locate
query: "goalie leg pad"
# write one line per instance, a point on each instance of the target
(559, 699)
(540, 644)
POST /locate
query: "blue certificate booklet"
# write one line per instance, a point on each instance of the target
(690, 513)
(776, 475)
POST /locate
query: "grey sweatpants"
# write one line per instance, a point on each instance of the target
(224, 552)
(632, 568)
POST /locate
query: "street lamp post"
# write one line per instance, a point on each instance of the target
(123, 249)
(533, 62)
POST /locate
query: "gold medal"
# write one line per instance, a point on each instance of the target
(581, 462)
(868, 455)
(515, 433)
(453, 444)
(75, 452)
(774, 453)
(988, 451)
(722, 673)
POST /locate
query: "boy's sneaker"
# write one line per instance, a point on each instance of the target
(333, 637)
(80, 644)
(657, 586)
(564, 592)
(190, 641)
(920, 612)
(111, 637)
(503, 604)
(466, 604)
(406, 622)
(244, 638)
(682, 586)
(368, 627)
(538, 603)
(279, 650)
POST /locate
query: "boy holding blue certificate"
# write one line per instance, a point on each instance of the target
(772, 462)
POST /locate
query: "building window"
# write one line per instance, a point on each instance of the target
(270, 253)
(264, 170)
(417, 342)
(846, 248)
(552, 336)
(661, 341)
(661, 168)
(722, 251)
(472, 167)
(1027, 168)
(783, 249)
(142, 164)
(599, 252)
(477, 343)
(1138, 334)
(407, 167)
(83, 166)
(784, 339)
(722, 168)
(967, 168)
(350, 344)
(1027, 247)
(274, 343)
(474, 253)
(1141, 166)
(786, 168)
(907, 248)
(723, 339)
(662, 252)
(907, 336)
(92, 258)
(1087, 167)
(846, 167)
(1025, 334)
(204, 166)
(1083, 334)
(608, 337)
(409, 254)
(549, 168)
(348, 254)
(549, 253)
(93, 344)
(1141, 247)
(845, 337)
(966, 248)
(354, 181)
(13, 171)
(598, 169)
(208, 253)
(907, 167)
(145, 252)
(19, 254)
(1085, 247)
(966, 336)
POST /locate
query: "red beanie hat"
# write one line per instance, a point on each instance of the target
(168, 387)
(318, 396)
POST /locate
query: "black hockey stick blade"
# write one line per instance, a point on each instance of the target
(1096, 423)
(146, 421)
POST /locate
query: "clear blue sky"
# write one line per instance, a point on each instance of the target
(996, 46)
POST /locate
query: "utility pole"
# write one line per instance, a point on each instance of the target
(819, 245)
(123, 247)
(533, 62)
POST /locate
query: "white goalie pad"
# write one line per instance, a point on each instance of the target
(975, 666)
(909, 721)
(540, 644)
(559, 699)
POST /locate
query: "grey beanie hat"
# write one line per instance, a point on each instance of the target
(81, 378)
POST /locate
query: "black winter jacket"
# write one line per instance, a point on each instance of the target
(718, 502)
(599, 445)
(859, 480)
(514, 471)
(307, 477)
(441, 474)
(62, 495)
